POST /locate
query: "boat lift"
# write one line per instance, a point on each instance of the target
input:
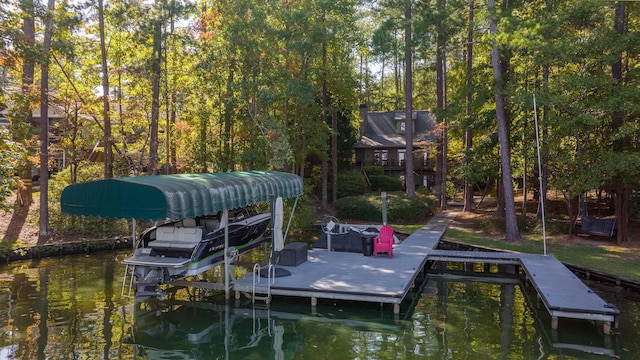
(179, 196)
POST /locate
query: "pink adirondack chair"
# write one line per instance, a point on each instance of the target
(384, 242)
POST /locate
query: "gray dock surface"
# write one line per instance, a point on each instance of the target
(352, 276)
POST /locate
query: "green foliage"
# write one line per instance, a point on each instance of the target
(244, 90)
(451, 190)
(304, 215)
(594, 256)
(385, 183)
(351, 183)
(91, 227)
(365, 208)
(374, 170)
(400, 209)
(11, 156)
(403, 210)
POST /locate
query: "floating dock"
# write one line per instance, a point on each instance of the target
(352, 276)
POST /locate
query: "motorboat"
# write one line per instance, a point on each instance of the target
(175, 250)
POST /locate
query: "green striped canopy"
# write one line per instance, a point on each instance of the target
(172, 197)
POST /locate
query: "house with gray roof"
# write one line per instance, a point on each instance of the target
(383, 143)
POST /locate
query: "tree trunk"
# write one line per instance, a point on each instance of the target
(108, 151)
(445, 136)
(511, 232)
(441, 173)
(617, 117)
(334, 155)
(28, 71)
(228, 118)
(156, 66)
(408, 88)
(172, 152)
(325, 107)
(45, 231)
(396, 70)
(468, 136)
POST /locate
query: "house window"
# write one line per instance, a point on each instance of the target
(401, 156)
(381, 157)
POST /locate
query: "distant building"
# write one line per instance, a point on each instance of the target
(56, 116)
(383, 143)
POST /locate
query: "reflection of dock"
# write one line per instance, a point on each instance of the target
(352, 276)
(579, 339)
(207, 329)
(563, 294)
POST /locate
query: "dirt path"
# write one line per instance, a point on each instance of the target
(20, 227)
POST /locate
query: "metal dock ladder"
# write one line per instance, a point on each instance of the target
(271, 278)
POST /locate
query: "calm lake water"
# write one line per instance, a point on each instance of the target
(71, 308)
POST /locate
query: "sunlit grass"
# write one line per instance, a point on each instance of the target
(611, 259)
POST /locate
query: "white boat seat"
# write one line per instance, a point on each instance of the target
(189, 222)
(176, 237)
(210, 224)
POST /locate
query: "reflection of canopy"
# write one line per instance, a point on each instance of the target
(176, 196)
(278, 237)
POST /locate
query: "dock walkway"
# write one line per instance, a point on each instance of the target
(352, 276)
(564, 294)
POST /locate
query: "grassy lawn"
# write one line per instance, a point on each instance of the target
(622, 261)
(612, 259)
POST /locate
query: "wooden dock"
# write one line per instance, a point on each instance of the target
(352, 276)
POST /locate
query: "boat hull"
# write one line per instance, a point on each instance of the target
(162, 262)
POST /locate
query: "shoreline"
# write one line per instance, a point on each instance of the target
(21, 253)
(24, 253)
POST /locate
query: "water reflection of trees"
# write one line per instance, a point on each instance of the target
(51, 309)
(54, 307)
(477, 317)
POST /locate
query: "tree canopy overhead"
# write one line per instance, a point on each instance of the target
(230, 85)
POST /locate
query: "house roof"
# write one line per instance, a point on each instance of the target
(379, 131)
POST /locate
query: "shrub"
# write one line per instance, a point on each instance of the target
(422, 190)
(351, 183)
(362, 208)
(404, 210)
(374, 170)
(451, 190)
(385, 183)
(399, 208)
